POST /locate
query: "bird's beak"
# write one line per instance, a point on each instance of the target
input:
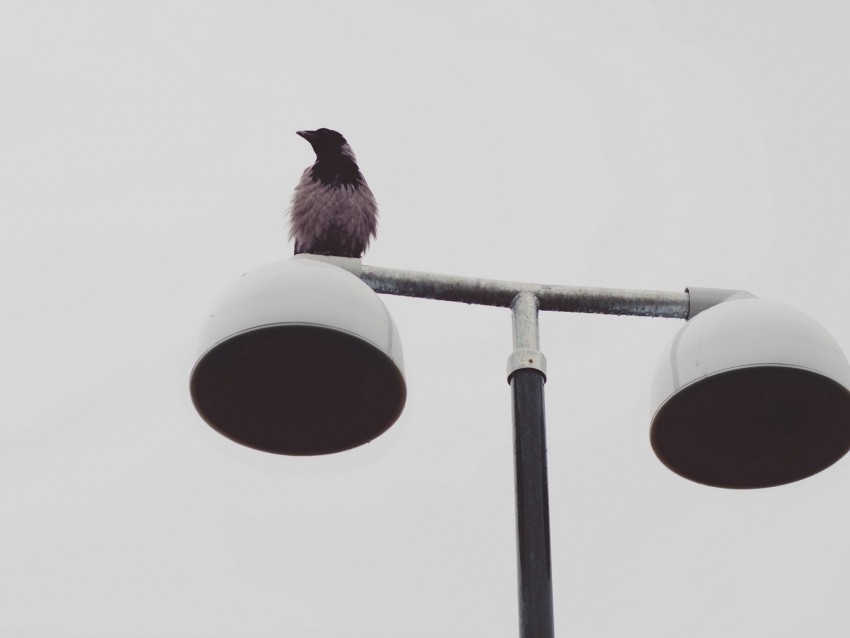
(307, 135)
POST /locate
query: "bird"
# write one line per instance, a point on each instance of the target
(333, 211)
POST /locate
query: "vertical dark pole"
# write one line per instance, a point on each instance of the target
(526, 374)
(532, 506)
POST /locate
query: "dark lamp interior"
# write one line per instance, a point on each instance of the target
(299, 390)
(754, 427)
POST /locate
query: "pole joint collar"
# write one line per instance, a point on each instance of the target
(522, 358)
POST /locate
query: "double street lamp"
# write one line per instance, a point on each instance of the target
(301, 357)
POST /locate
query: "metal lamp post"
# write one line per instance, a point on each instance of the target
(301, 357)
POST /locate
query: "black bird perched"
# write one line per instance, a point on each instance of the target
(333, 211)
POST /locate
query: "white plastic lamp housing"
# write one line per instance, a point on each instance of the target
(302, 358)
(751, 394)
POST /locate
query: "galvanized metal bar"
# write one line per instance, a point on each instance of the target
(492, 292)
(534, 554)
(526, 333)
(524, 324)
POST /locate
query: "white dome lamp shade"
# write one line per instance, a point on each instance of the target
(751, 394)
(302, 358)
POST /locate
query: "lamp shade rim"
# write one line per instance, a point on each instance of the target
(789, 366)
(297, 324)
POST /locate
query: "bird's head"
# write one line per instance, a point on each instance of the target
(327, 143)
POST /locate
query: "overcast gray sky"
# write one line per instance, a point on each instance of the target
(147, 157)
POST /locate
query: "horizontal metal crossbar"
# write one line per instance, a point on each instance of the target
(492, 292)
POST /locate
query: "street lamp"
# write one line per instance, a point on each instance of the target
(751, 394)
(301, 357)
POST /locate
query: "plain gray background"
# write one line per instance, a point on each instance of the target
(148, 155)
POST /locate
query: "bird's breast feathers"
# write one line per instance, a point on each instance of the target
(320, 209)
